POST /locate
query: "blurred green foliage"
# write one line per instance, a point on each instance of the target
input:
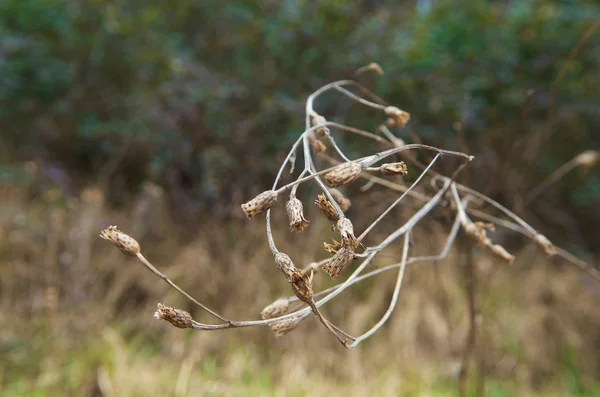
(188, 94)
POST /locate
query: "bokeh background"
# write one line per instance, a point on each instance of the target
(162, 117)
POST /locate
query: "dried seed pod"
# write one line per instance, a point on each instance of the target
(328, 209)
(179, 318)
(282, 327)
(545, 244)
(346, 231)
(285, 265)
(321, 131)
(342, 258)
(343, 174)
(500, 252)
(295, 214)
(399, 117)
(316, 145)
(275, 309)
(477, 233)
(332, 248)
(123, 242)
(394, 168)
(372, 67)
(260, 203)
(339, 198)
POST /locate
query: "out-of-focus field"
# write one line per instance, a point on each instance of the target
(76, 314)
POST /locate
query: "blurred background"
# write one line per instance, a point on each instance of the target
(163, 117)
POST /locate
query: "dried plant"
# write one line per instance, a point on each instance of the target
(464, 202)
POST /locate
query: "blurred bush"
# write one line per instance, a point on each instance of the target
(187, 96)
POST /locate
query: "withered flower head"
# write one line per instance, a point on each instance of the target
(179, 318)
(342, 258)
(343, 201)
(343, 174)
(500, 252)
(295, 214)
(400, 118)
(346, 231)
(123, 242)
(328, 209)
(260, 203)
(275, 309)
(545, 244)
(302, 285)
(394, 169)
(282, 327)
(322, 131)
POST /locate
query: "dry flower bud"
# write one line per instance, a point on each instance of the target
(295, 214)
(321, 131)
(285, 265)
(343, 174)
(372, 67)
(339, 198)
(342, 258)
(316, 145)
(477, 233)
(332, 248)
(399, 117)
(588, 158)
(260, 203)
(328, 209)
(282, 327)
(545, 244)
(275, 309)
(394, 169)
(500, 252)
(346, 231)
(123, 242)
(179, 318)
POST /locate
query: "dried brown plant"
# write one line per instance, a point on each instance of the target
(464, 203)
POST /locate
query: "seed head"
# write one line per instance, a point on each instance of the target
(328, 209)
(275, 309)
(123, 242)
(346, 231)
(339, 198)
(295, 214)
(394, 169)
(321, 131)
(342, 258)
(500, 252)
(260, 203)
(179, 318)
(372, 67)
(343, 174)
(400, 118)
(545, 244)
(282, 327)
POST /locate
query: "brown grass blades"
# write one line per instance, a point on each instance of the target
(334, 204)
